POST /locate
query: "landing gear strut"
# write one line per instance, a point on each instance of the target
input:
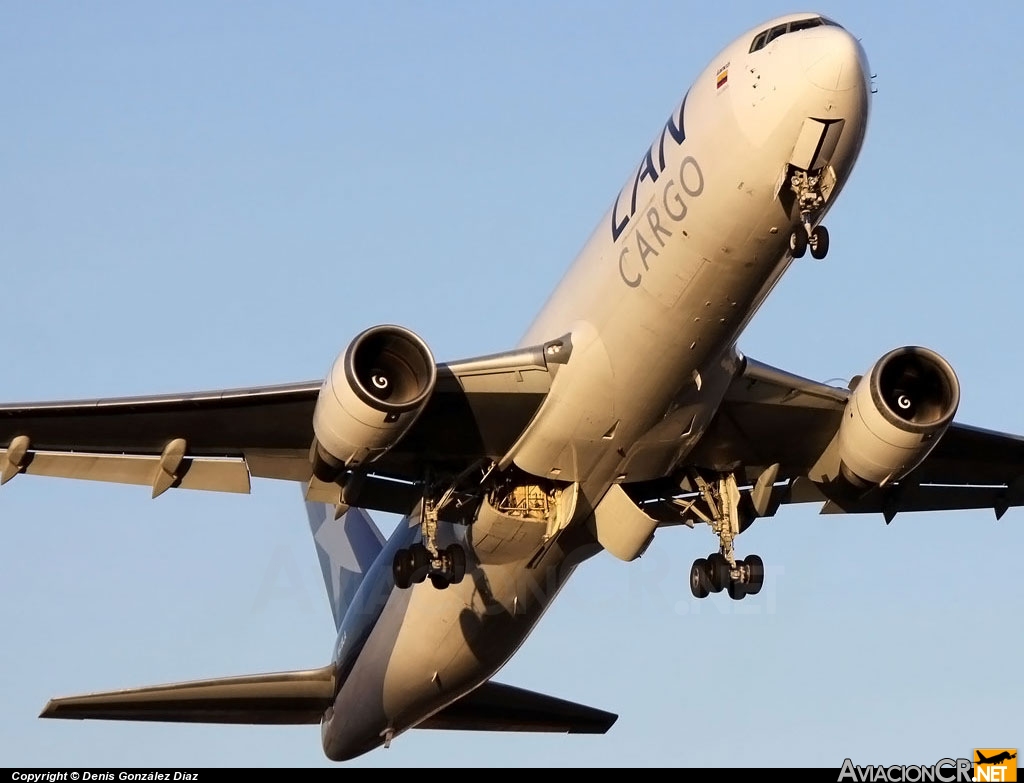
(721, 570)
(443, 566)
(810, 199)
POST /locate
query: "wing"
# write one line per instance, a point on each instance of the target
(217, 440)
(773, 426)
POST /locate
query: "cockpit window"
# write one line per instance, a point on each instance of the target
(767, 36)
(804, 24)
(775, 32)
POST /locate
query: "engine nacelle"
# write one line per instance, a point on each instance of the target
(896, 415)
(374, 392)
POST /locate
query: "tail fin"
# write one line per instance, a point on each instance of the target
(347, 547)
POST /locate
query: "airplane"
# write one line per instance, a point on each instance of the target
(996, 759)
(626, 408)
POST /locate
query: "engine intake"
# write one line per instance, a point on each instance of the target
(370, 398)
(896, 415)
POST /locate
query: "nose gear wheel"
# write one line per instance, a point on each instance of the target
(810, 199)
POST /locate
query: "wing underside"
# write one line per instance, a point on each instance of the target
(219, 440)
(776, 424)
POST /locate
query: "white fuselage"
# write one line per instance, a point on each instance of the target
(654, 304)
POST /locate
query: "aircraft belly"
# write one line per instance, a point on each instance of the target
(685, 314)
(663, 446)
(457, 638)
(362, 651)
(423, 648)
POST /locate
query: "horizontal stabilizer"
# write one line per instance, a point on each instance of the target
(497, 707)
(278, 698)
(303, 696)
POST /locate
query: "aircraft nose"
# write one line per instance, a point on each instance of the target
(834, 60)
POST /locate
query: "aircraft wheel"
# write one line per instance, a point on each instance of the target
(737, 590)
(755, 582)
(699, 578)
(420, 559)
(402, 568)
(718, 572)
(457, 560)
(798, 242)
(819, 242)
(438, 581)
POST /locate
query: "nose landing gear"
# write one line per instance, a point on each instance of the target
(810, 199)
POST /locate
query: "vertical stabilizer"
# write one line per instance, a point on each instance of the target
(347, 547)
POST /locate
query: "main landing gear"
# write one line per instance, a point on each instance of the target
(444, 567)
(714, 574)
(810, 199)
(721, 570)
(425, 559)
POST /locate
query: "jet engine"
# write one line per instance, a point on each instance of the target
(370, 398)
(896, 415)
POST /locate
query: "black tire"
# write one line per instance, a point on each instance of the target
(438, 581)
(457, 559)
(755, 581)
(699, 578)
(819, 242)
(737, 590)
(798, 242)
(718, 572)
(420, 558)
(401, 567)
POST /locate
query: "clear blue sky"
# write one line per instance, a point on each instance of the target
(204, 195)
